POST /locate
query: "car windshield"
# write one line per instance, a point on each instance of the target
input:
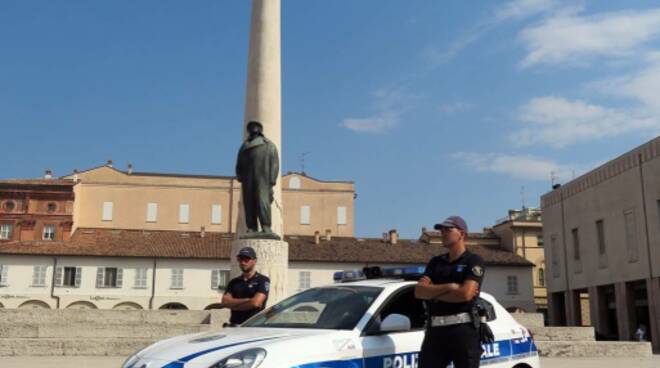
(333, 307)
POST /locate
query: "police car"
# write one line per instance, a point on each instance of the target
(358, 322)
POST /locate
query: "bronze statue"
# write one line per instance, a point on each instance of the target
(257, 169)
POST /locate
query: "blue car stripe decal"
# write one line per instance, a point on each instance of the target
(500, 351)
(180, 362)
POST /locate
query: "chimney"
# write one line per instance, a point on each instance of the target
(48, 174)
(386, 238)
(202, 232)
(130, 169)
(317, 237)
(328, 234)
(394, 236)
(109, 163)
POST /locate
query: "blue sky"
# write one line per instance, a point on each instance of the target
(433, 108)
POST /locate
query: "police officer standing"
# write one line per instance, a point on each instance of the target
(246, 295)
(450, 286)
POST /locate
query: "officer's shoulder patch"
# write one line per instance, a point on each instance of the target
(267, 285)
(477, 271)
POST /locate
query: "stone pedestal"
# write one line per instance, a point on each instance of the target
(272, 261)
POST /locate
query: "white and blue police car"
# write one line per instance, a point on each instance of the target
(358, 322)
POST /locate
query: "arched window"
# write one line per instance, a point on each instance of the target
(294, 183)
(541, 277)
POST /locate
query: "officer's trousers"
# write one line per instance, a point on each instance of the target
(458, 343)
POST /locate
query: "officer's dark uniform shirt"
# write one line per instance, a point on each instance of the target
(239, 288)
(442, 270)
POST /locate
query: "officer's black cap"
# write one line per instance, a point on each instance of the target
(452, 221)
(247, 252)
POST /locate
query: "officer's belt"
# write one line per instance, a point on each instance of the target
(454, 319)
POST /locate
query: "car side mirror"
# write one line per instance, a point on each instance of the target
(395, 323)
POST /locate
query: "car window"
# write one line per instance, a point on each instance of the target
(403, 303)
(336, 307)
(486, 309)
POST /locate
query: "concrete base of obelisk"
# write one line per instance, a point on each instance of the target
(272, 261)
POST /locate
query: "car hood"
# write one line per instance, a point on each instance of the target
(204, 349)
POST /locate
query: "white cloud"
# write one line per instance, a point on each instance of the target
(453, 107)
(389, 105)
(518, 167)
(559, 122)
(515, 10)
(520, 9)
(568, 37)
(641, 86)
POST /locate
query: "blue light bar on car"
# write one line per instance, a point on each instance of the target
(409, 272)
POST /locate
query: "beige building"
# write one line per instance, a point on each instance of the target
(521, 232)
(602, 233)
(146, 269)
(110, 198)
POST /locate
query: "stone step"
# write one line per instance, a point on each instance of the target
(40, 316)
(529, 320)
(98, 330)
(583, 349)
(564, 334)
(72, 347)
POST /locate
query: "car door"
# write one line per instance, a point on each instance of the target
(395, 349)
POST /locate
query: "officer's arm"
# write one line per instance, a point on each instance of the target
(228, 301)
(425, 290)
(466, 292)
(253, 303)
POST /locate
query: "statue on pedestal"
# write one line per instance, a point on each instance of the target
(257, 169)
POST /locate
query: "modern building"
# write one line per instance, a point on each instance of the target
(521, 232)
(108, 198)
(602, 235)
(155, 269)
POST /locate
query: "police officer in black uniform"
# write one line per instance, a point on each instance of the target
(246, 295)
(450, 286)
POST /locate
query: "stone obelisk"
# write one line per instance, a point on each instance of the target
(263, 103)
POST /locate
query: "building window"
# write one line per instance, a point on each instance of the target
(176, 279)
(341, 215)
(631, 235)
(5, 231)
(216, 214)
(9, 206)
(576, 250)
(600, 233)
(49, 232)
(304, 280)
(140, 278)
(305, 214)
(539, 240)
(219, 279)
(184, 213)
(39, 276)
(512, 285)
(107, 211)
(4, 273)
(109, 277)
(152, 212)
(294, 183)
(52, 207)
(68, 276)
(658, 204)
(541, 277)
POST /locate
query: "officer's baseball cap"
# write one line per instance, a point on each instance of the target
(247, 252)
(453, 221)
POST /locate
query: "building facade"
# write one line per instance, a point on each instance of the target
(146, 269)
(602, 233)
(521, 232)
(36, 209)
(111, 198)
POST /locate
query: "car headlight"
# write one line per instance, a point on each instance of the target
(251, 358)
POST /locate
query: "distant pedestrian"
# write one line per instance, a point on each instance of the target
(640, 334)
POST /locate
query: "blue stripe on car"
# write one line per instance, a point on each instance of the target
(180, 362)
(497, 352)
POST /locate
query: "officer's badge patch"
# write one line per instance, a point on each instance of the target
(460, 268)
(478, 271)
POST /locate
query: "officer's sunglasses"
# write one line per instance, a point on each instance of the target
(243, 259)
